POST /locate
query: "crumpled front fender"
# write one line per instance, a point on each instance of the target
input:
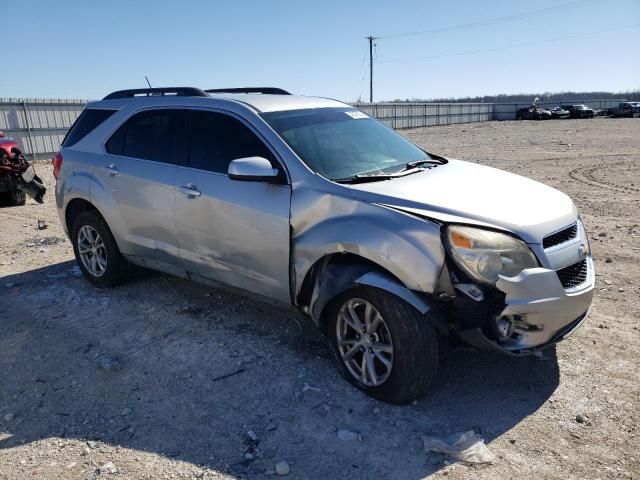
(332, 280)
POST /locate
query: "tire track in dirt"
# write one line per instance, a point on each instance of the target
(586, 175)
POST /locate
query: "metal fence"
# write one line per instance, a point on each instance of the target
(412, 115)
(39, 125)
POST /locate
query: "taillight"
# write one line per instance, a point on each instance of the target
(56, 161)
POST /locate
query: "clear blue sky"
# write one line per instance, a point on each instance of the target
(85, 49)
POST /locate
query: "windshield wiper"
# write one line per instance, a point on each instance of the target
(373, 177)
(363, 178)
(423, 161)
(409, 168)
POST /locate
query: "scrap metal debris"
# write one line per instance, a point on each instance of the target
(16, 174)
(465, 447)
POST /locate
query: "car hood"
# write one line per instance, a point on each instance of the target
(465, 192)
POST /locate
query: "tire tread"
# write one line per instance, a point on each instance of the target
(415, 364)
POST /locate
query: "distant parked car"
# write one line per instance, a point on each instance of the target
(579, 111)
(559, 112)
(532, 113)
(626, 109)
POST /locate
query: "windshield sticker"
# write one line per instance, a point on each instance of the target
(356, 114)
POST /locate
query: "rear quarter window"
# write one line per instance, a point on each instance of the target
(88, 120)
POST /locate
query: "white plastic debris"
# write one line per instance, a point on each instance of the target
(466, 447)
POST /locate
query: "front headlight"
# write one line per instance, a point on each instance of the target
(484, 254)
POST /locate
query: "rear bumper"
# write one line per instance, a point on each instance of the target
(539, 311)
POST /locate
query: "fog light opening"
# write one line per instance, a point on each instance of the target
(504, 325)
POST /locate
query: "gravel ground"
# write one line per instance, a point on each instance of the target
(163, 378)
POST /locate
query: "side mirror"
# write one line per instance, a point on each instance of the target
(253, 169)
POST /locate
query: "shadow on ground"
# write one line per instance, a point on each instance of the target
(167, 366)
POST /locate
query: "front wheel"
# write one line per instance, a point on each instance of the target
(383, 345)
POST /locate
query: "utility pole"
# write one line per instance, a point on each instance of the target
(371, 39)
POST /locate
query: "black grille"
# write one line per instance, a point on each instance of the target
(573, 275)
(561, 236)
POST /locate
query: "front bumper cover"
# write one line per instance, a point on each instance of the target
(539, 310)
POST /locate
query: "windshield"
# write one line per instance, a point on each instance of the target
(339, 143)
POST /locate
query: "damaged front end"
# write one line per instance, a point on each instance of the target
(529, 312)
(532, 310)
(17, 174)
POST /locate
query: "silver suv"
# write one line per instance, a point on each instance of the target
(313, 204)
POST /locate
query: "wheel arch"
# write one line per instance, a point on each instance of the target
(305, 292)
(74, 208)
(337, 272)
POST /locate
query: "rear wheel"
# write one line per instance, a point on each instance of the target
(382, 344)
(17, 198)
(96, 251)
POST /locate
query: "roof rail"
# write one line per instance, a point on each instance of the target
(159, 92)
(263, 90)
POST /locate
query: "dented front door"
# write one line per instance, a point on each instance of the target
(234, 232)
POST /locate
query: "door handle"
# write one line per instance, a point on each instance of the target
(190, 190)
(112, 170)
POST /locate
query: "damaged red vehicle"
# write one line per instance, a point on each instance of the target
(17, 176)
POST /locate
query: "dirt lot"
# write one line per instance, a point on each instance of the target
(164, 378)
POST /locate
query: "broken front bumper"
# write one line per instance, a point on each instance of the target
(538, 311)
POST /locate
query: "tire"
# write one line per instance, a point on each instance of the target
(11, 198)
(109, 267)
(519, 117)
(17, 198)
(413, 356)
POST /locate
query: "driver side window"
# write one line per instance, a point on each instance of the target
(216, 139)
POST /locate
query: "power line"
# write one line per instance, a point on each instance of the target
(471, 52)
(493, 21)
(362, 73)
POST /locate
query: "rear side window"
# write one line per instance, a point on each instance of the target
(149, 135)
(115, 143)
(216, 139)
(88, 120)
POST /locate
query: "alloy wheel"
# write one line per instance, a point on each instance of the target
(364, 342)
(92, 251)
